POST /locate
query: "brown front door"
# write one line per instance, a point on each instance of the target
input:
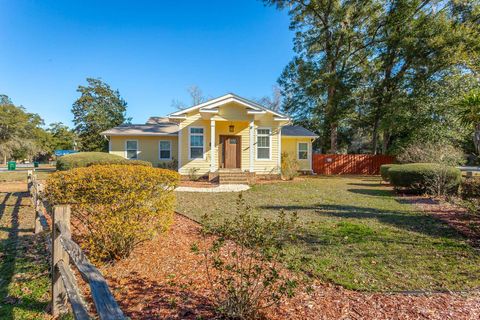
(230, 152)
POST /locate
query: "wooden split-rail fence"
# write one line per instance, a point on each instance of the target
(63, 251)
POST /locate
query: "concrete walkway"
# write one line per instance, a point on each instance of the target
(220, 188)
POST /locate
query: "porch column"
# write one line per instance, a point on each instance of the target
(212, 146)
(279, 163)
(179, 145)
(252, 151)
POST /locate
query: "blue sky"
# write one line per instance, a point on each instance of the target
(152, 51)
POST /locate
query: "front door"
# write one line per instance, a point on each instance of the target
(230, 152)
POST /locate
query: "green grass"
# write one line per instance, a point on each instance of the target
(24, 269)
(20, 175)
(356, 233)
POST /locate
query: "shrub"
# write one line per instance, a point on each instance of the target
(440, 152)
(243, 261)
(470, 188)
(289, 166)
(384, 171)
(193, 174)
(170, 165)
(429, 178)
(85, 159)
(115, 207)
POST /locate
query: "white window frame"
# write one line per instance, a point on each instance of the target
(160, 150)
(270, 144)
(126, 150)
(298, 150)
(189, 142)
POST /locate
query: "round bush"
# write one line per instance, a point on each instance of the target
(425, 177)
(115, 207)
(85, 159)
(384, 171)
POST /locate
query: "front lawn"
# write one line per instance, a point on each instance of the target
(356, 233)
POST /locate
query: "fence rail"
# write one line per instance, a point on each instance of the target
(63, 249)
(364, 164)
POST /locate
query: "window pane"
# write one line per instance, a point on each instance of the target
(164, 145)
(131, 154)
(303, 155)
(263, 153)
(263, 131)
(263, 142)
(303, 147)
(131, 145)
(196, 153)
(196, 141)
(196, 130)
(165, 154)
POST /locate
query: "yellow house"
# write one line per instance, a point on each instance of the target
(226, 134)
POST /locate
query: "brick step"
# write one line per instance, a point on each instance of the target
(241, 176)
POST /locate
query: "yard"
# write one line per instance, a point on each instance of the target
(357, 233)
(24, 270)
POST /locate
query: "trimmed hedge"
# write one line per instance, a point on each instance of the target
(86, 159)
(115, 207)
(422, 177)
(384, 171)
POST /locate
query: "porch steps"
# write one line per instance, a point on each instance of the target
(232, 176)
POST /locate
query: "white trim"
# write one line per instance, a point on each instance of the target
(279, 161)
(181, 116)
(179, 146)
(159, 150)
(212, 145)
(141, 134)
(226, 99)
(204, 141)
(138, 149)
(298, 150)
(296, 137)
(252, 149)
(269, 144)
(215, 111)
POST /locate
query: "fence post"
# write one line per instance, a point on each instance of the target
(59, 294)
(38, 206)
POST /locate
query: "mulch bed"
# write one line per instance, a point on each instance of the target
(458, 218)
(164, 279)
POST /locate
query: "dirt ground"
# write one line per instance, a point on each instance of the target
(165, 279)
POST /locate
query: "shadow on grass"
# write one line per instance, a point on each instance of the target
(11, 250)
(372, 192)
(403, 219)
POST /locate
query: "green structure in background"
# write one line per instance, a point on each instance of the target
(12, 165)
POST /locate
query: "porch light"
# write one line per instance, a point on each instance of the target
(231, 128)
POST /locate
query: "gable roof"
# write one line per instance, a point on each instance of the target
(211, 105)
(297, 131)
(166, 129)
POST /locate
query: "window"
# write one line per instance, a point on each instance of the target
(165, 150)
(131, 149)
(196, 143)
(302, 150)
(263, 143)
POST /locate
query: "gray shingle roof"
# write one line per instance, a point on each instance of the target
(297, 131)
(143, 130)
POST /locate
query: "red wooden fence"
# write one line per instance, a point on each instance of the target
(367, 164)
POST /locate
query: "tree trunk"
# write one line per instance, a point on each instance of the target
(333, 138)
(386, 140)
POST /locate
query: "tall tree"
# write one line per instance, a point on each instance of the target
(62, 137)
(333, 38)
(196, 97)
(420, 43)
(97, 109)
(21, 134)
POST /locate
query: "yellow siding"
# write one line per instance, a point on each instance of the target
(148, 147)
(203, 165)
(290, 145)
(273, 164)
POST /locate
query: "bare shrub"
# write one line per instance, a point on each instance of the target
(243, 261)
(193, 174)
(289, 166)
(443, 153)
